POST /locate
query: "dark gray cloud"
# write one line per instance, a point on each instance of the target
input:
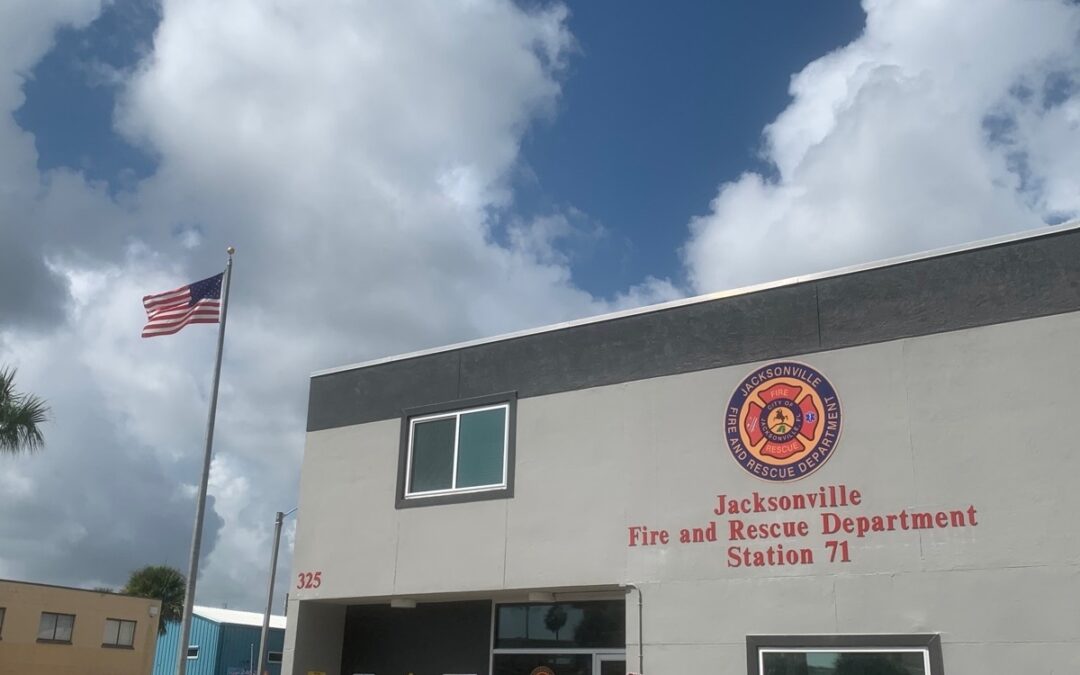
(34, 296)
(95, 504)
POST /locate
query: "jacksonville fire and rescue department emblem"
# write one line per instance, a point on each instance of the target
(783, 421)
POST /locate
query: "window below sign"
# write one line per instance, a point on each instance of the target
(457, 452)
(840, 654)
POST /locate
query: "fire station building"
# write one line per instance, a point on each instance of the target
(869, 471)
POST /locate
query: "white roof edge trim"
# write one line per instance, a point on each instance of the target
(718, 295)
(236, 617)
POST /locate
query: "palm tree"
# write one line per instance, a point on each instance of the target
(160, 582)
(555, 619)
(20, 417)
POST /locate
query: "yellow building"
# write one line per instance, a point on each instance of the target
(54, 630)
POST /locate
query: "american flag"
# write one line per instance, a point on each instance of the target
(198, 302)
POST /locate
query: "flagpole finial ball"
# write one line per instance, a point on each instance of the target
(230, 250)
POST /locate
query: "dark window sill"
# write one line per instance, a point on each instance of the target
(53, 642)
(109, 646)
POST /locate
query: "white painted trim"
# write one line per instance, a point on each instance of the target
(708, 297)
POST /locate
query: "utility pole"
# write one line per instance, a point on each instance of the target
(278, 519)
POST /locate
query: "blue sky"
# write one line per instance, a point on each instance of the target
(408, 174)
(70, 96)
(657, 109)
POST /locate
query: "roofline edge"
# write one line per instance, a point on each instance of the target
(991, 242)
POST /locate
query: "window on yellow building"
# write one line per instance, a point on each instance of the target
(56, 627)
(118, 633)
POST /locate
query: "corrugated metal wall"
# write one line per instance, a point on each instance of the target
(224, 649)
(240, 644)
(204, 633)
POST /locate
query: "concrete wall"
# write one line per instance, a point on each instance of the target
(22, 654)
(982, 417)
(316, 646)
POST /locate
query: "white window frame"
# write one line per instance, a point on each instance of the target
(927, 644)
(274, 657)
(762, 651)
(456, 416)
(189, 648)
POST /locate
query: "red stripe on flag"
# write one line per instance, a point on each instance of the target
(171, 296)
(173, 312)
(171, 319)
(177, 328)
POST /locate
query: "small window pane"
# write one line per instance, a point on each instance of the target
(47, 626)
(64, 624)
(481, 442)
(127, 634)
(2, 610)
(112, 632)
(433, 455)
(841, 663)
(193, 651)
(273, 657)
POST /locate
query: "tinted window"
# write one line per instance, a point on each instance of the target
(578, 625)
(843, 663)
(480, 448)
(433, 455)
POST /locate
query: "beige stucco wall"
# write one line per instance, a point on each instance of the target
(982, 417)
(22, 654)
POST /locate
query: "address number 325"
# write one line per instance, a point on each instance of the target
(309, 579)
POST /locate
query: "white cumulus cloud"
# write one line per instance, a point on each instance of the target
(359, 157)
(944, 122)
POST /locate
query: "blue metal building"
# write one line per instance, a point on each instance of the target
(223, 642)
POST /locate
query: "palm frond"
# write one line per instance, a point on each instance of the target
(21, 417)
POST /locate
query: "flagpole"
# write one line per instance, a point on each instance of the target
(200, 510)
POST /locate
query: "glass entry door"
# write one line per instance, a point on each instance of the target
(610, 664)
(560, 638)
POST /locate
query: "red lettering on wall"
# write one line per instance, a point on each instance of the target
(309, 579)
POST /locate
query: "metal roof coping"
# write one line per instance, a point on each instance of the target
(991, 242)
